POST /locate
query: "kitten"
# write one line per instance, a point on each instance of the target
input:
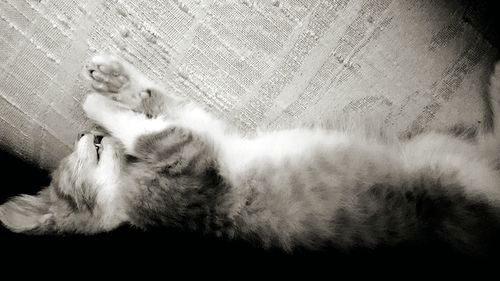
(166, 162)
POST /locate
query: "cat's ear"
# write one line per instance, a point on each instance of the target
(27, 213)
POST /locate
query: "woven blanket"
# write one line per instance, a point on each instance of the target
(417, 64)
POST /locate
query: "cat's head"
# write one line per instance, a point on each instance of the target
(83, 194)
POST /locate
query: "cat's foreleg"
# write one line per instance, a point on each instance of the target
(121, 122)
(121, 82)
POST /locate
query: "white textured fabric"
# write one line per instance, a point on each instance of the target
(417, 64)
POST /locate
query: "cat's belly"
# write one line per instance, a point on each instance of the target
(275, 147)
(334, 158)
(342, 160)
(453, 160)
(295, 182)
(298, 184)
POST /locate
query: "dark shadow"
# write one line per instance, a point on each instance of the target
(20, 176)
(482, 15)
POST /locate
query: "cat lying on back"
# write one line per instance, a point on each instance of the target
(167, 162)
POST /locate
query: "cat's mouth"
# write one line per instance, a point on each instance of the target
(95, 146)
(98, 146)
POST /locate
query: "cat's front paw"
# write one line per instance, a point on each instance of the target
(119, 80)
(107, 74)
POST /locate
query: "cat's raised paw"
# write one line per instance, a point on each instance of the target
(119, 80)
(107, 74)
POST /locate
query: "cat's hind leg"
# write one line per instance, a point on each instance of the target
(489, 141)
(494, 96)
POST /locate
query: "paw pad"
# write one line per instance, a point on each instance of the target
(106, 74)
